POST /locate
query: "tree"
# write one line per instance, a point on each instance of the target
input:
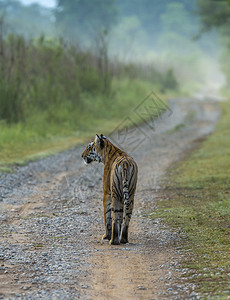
(214, 14)
(85, 18)
(29, 21)
(149, 12)
(177, 19)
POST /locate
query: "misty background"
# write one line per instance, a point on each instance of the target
(151, 31)
(63, 62)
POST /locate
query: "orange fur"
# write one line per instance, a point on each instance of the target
(119, 185)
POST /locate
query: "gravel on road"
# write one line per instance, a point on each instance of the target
(51, 220)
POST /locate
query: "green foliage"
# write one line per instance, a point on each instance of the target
(163, 81)
(197, 203)
(214, 14)
(149, 12)
(178, 28)
(17, 17)
(12, 81)
(133, 30)
(85, 18)
(50, 90)
(45, 74)
(42, 74)
(178, 20)
(169, 81)
(62, 126)
(225, 64)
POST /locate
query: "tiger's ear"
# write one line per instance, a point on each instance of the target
(103, 137)
(99, 140)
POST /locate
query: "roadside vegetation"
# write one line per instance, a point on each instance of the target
(197, 204)
(54, 95)
(197, 195)
(63, 78)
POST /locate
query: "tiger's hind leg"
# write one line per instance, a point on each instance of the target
(128, 208)
(117, 213)
(107, 216)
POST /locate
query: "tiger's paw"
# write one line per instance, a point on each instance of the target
(114, 241)
(123, 240)
(106, 237)
(124, 235)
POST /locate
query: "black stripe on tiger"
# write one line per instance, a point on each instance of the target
(119, 185)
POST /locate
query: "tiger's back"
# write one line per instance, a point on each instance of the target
(122, 186)
(123, 177)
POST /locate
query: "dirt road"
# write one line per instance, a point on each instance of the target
(52, 221)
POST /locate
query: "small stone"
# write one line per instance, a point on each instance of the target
(84, 286)
(140, 287)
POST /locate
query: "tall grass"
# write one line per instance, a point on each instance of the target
(50, 89)
(41, 75)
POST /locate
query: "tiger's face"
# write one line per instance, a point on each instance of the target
(93, 151)
(90, 154)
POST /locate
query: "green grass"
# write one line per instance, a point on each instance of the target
(57, 129)
(176, 128)
(198, 205)
(54, 96)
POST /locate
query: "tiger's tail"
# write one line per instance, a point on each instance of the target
(126, 210)
(125, 183)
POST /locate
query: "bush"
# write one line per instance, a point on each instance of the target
(40, 73)
(46, 75)
(169, 81)
(165, 81)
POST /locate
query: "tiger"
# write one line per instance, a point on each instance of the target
(119, 186)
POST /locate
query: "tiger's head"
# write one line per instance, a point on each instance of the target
(93, 151)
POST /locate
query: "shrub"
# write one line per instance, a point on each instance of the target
(47, 75)
(40, 73)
